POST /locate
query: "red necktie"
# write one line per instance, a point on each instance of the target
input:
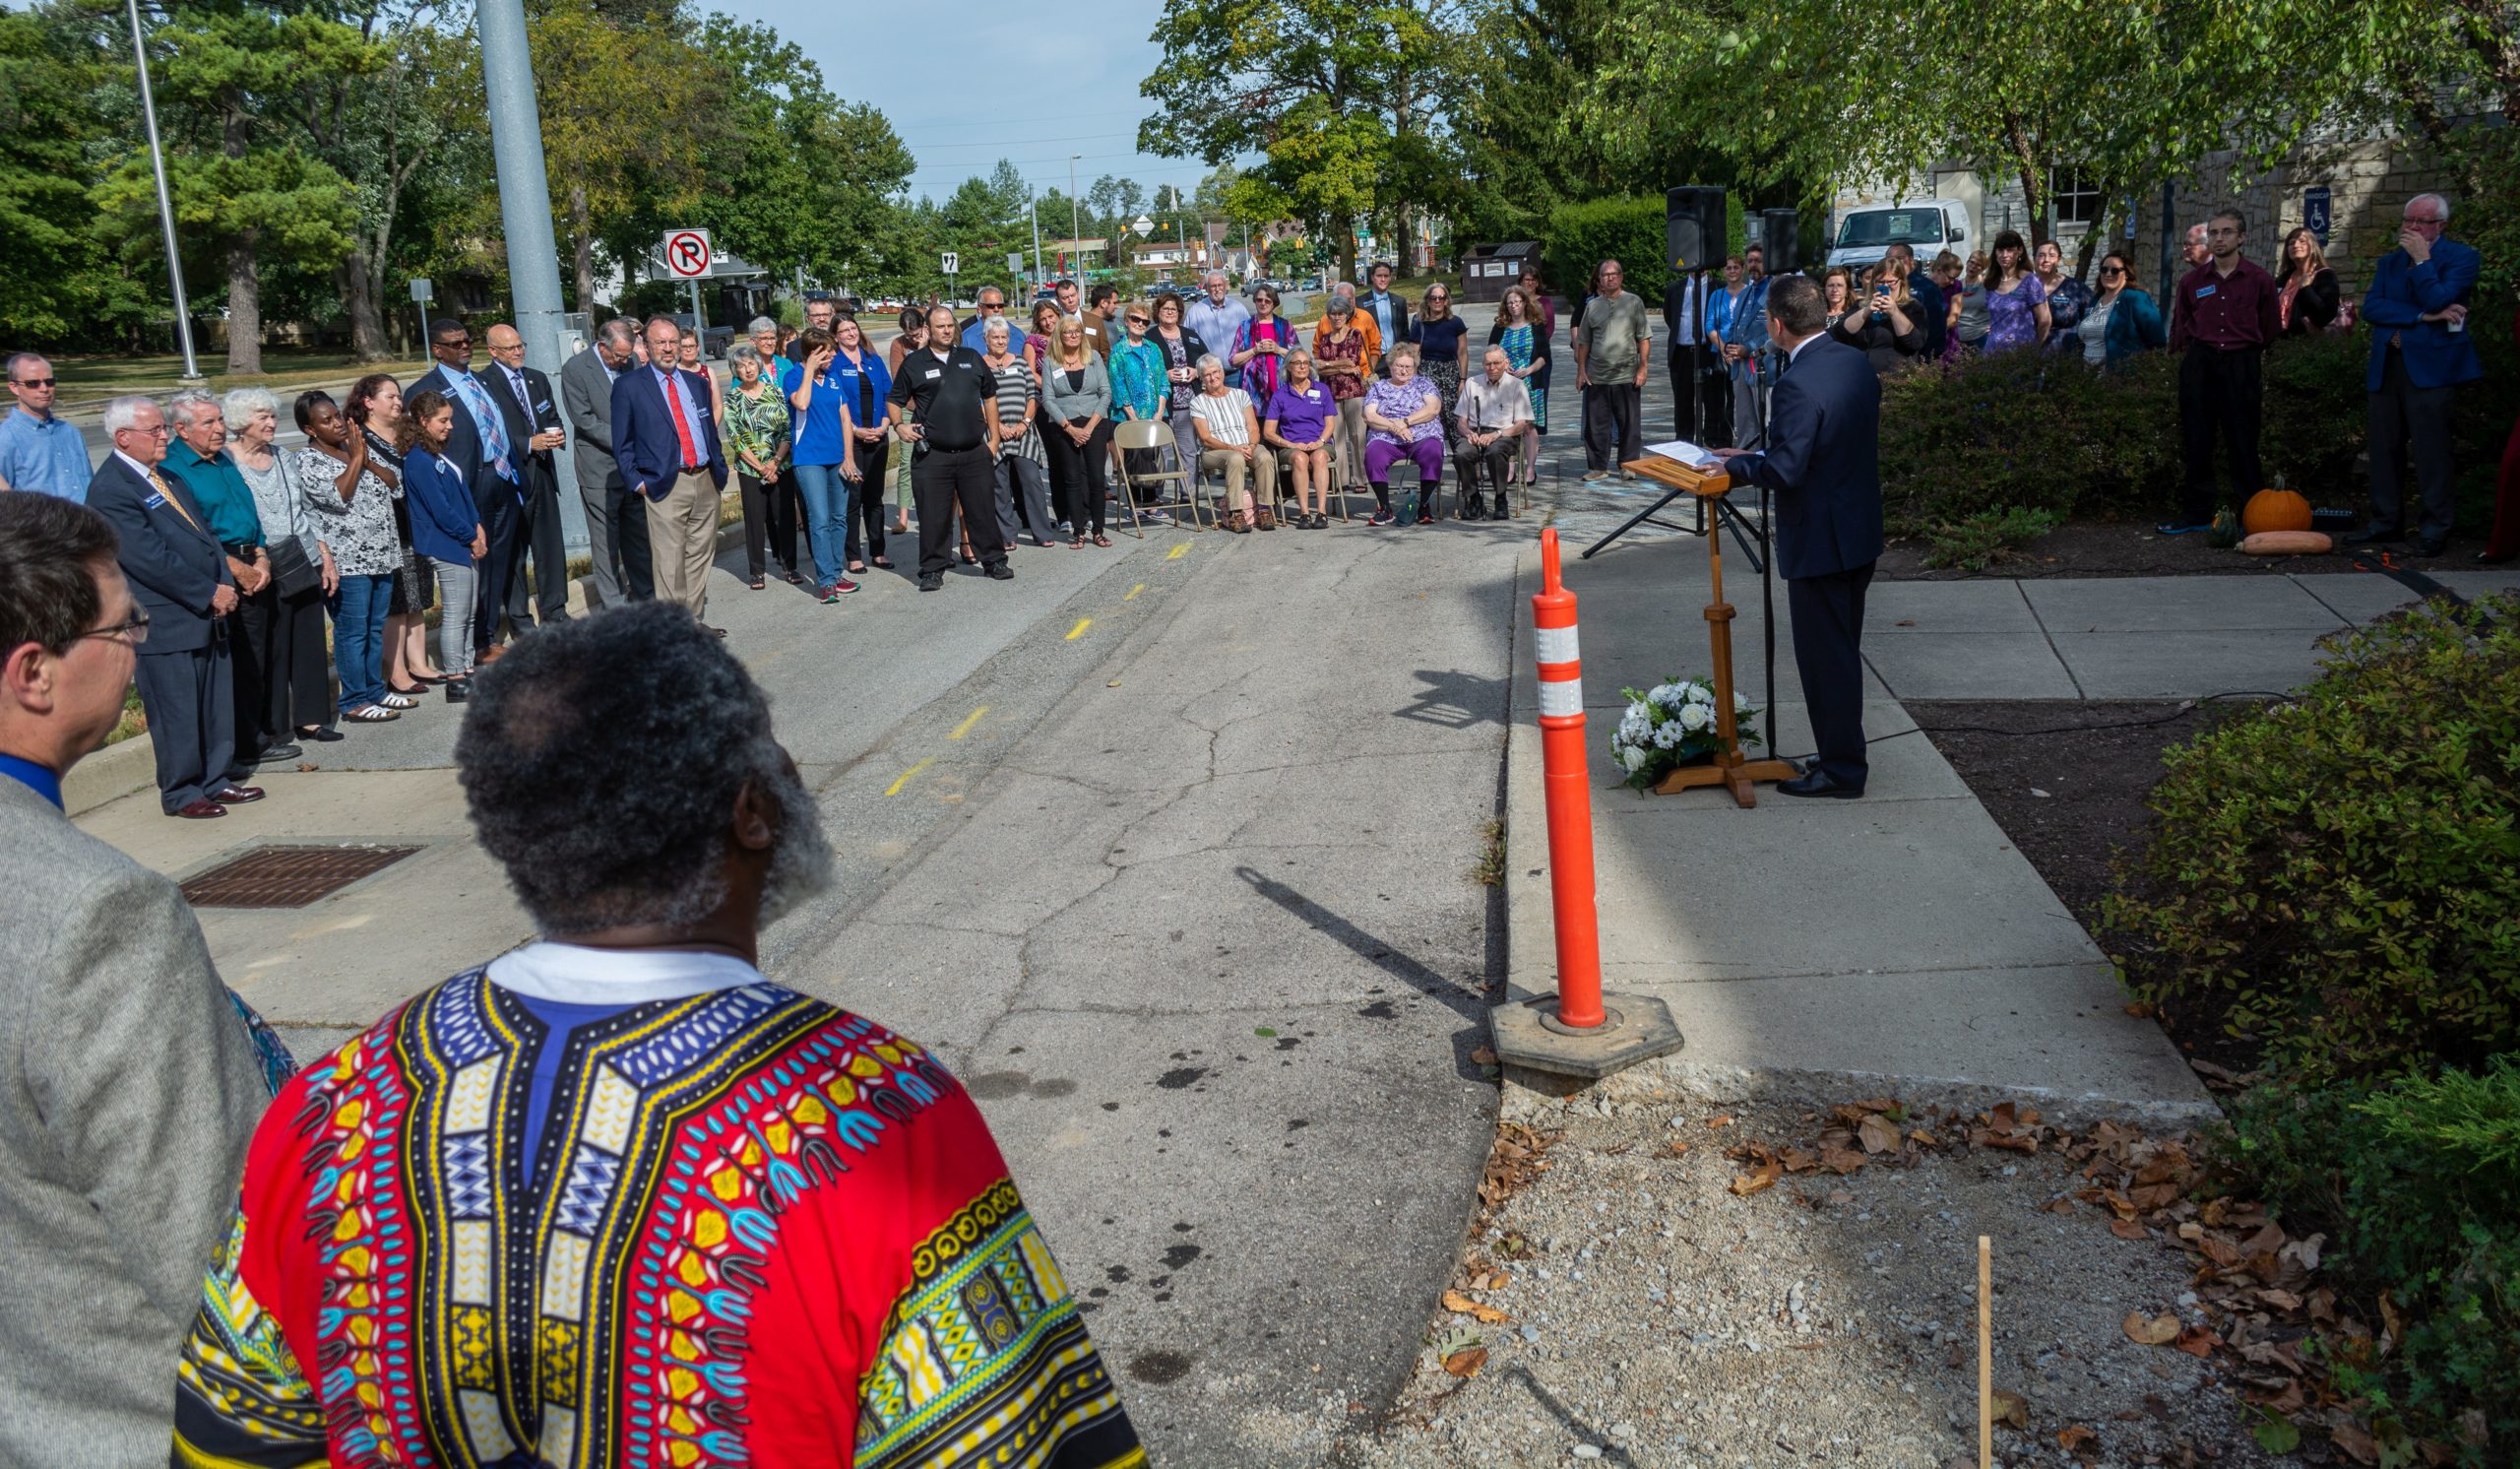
(681, 429)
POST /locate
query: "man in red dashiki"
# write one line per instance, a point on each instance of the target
(616, 1198)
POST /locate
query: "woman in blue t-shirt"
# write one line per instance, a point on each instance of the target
(825, 466)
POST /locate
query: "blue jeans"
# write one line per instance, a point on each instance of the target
(358, 610)
(826, 517)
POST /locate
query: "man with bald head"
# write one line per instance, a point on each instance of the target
(533, 413)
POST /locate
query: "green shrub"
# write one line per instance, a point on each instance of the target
(1972, 543)
(2339, 874)
(1582, 235)
(2417, 1185)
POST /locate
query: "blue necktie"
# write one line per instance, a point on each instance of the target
(485, 418)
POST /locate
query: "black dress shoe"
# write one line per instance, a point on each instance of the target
(322, 736)
(236, 796)
(2430, 547)
(1818, 782)
(2374, 537)
(1002, 572)
(278, 752)
(932, 582)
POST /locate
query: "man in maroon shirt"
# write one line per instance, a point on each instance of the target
(2223, 317)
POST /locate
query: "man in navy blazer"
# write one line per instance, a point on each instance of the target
(179, 577)
(532, 413)
(2421, 351)
(481, 447)
(1823, 460)
(667, 445)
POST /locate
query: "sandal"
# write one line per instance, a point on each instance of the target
(1101, 540)
(756, 584)
(793, 577)
(399, 701)
(882, 564)
(1078, 543)
(371, 714)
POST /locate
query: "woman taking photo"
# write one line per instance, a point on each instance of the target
(1298, 423)
(1076, 399)
(756, 425)
(1260, 344)
(1524, 336)
(375, 404)
(826, 470)
(2016, 303)
(1889, 325)
(1401, 414)
(297, 677)
(2122, 320)
(864, 382)
(2307, 300)
(2067, 299)
(1339, 354)
(446, 528)
(1443, 347)
(334, 478)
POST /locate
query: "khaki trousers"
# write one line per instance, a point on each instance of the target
(1261, 467)
(682, 535)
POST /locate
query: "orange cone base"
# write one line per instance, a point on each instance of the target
(1634, 1027)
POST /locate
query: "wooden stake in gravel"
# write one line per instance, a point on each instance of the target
(1985, 1353)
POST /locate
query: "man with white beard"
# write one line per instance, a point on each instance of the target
(616, 1183)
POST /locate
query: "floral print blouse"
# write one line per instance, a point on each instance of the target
(1137, 379)
(361, 530)
(1398, 401)
(1348, 349)
(757, 426)
(2013, 315)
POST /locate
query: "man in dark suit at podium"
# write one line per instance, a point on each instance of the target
(1824, 462)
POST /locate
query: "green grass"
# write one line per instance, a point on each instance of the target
(85, 380)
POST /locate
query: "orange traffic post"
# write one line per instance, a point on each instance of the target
(1579, 1031)
(1569, 794)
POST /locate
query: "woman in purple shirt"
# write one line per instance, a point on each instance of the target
(1297, 420)
(1400, 422)
(2016, 302)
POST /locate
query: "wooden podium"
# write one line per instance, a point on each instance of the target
(1729, 767)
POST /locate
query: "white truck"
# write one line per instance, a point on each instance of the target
(1926, 226)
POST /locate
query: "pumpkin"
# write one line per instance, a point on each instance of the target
(2225, 532)
(2276, 509)
(2287, 543)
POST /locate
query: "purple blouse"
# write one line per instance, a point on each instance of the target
(2014, 315)
(1299, 416)
(1396, 401)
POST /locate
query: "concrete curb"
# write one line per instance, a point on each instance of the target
(1533, 1097)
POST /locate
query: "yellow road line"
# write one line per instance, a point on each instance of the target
(1133, 592)
(964, 727)
(907, 775)
(1178, 552)
(1078, 630)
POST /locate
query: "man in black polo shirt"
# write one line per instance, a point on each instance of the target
(951, 426)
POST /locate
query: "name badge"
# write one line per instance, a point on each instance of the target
(153, 502)
(2202, 292)
(933, 373)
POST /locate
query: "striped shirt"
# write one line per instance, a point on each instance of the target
(1016, 387)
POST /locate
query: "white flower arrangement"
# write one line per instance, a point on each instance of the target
(1673, 723)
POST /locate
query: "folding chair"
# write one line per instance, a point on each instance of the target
(1150, 434)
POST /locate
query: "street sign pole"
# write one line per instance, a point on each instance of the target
(165, 202)
(421, 294)
(524, 214)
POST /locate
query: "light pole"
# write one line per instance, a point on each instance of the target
(524, 213)
(165, 201)
(1075, 228)
(1033, 206)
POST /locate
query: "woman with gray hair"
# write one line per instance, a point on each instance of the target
(296, 677)
(757, 440)
(1023, 465)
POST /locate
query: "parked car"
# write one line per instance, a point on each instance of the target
(1925, 225)
(715, 339)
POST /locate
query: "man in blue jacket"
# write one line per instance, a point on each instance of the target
(2417, 308)
(669, 455)
(1823, 460)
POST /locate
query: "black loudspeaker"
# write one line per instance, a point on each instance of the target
(1692, 228)
(1779, 235)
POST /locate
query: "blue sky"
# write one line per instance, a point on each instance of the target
(1061, 78)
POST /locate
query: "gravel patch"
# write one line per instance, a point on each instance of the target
(1641, 1314)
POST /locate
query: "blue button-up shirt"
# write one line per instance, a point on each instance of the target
(1218, 326)
(46, 455)
(1379, 302)
(680, 387)
(975, 335)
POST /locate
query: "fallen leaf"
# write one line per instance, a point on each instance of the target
(1750, 1183)
(1878, 1104)
(2355, 1443)
(1797, 1161)
(2196, 1341)
(1484, 1057)
(2012, 1408)
(1879, 1134)
(2074, 1436)
(1465, 1364)
(1841, 1160)
(2287, 1300)
(1724, 1121)
(2002, 1119)
(1487, 1315)
(1924, 1139)
(2061, 1204)
(2151, 1331)
(2128, 1228)
(1676, 1147)
(2276, 1433)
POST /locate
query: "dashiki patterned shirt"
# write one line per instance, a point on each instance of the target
(521, 1222)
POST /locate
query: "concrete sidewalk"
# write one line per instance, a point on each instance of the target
(1898, 936)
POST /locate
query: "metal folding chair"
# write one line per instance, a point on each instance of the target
(1151, 434)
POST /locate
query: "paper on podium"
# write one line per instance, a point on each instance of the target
(1686, 453)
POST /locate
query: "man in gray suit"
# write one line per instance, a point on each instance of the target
(617, 519)
(131, 1083)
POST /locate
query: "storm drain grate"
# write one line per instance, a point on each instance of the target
(287, 876)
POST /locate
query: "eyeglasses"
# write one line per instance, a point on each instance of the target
(1439, 296)
(133, 629)
(455, 342)
(1137, 321)
(2113, 270)
(158, 431)
(32, 382)
(2411, 218)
